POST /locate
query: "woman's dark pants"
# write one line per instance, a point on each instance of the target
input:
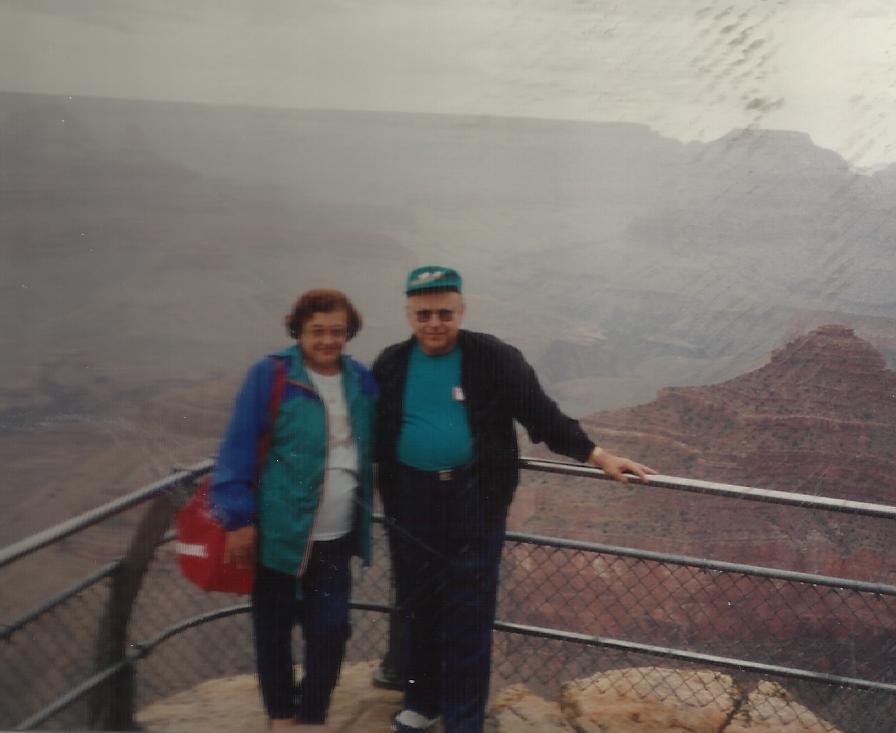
(322, 612)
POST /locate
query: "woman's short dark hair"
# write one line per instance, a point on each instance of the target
(322, 300)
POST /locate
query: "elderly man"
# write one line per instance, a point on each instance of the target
(448, 459)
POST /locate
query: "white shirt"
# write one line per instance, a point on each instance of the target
(334, 516)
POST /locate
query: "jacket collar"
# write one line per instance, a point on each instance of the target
(298, 372)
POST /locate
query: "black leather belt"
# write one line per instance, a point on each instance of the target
(445, 474)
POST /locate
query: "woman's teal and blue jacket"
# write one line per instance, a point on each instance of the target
(284, 505)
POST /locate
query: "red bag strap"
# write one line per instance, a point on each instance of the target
(264, 443)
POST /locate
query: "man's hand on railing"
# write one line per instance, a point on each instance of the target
(616, 467)
(239, 546)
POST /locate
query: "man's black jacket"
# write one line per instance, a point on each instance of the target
(499, 387)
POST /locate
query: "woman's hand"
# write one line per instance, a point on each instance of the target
(239, 546)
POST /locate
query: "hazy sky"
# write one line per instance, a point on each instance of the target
(692, 69)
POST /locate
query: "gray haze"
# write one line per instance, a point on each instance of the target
(639, 194)
(621, 261)
(690, 69)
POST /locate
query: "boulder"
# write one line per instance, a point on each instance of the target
(771, 709)
(650, 700)
(632, 700)
(233, 705)
(516, 709)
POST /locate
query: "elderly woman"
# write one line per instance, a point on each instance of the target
(302, 514)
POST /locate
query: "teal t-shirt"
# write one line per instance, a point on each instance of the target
(435, 432)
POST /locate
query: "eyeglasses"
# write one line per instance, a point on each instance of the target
(423, 315)
(334, 332)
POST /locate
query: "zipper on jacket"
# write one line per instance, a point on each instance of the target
(320, 499)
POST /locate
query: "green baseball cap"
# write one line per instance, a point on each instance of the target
(432, 277)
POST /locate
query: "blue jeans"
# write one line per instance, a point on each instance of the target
(322, 612)
(446, 560)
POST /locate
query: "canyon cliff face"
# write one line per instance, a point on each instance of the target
(817, 418)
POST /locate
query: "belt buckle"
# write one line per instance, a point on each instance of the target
(446, 474)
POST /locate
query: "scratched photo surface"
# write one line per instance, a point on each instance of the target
(682, 213)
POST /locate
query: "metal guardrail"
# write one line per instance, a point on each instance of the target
(139, 650)
(58, 599)
(35, 542)
(142, 649)
(731, 491)
(21, 549)
(710, 660)
(703, 564)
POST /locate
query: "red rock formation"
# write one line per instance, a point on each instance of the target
(817, 418)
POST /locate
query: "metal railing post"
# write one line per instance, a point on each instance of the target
(112, 705)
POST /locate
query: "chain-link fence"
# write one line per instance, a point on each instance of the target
(223, 646)
(50, 650)
(567, 611)
(817, 637)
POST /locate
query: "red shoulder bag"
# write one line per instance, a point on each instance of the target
(200, 537)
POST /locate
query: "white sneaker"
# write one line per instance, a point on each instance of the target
(408, 721)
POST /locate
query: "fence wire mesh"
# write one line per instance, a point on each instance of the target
(620, 678)
(224, 646)
(49, 655)
(649, 601)
(771, 621)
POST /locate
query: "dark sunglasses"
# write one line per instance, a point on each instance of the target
(423, 315)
